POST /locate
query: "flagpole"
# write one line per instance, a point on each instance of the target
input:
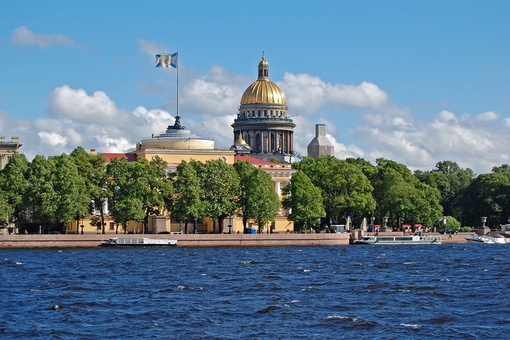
(177, 83)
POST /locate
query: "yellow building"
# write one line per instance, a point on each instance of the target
(8, 149)
(178, 144)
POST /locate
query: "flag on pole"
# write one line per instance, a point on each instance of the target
(166, 60)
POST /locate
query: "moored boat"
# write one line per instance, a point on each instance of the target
(390, 240)
(138, 242)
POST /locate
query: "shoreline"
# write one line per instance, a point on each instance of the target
(21, 241)
(15, 241)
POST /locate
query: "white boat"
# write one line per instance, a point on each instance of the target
(390, 240)
(487, 238)
(138, 242)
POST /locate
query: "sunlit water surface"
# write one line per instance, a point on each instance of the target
(384, 292)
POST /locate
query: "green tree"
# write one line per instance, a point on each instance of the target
(346, 190)
(149, 181)
(366, 167)
(220, 185)
(451, 181)
(488, 195)
(13, 186)
(402, 197)
(303, 200)
(264, 200)
(41, 198)
(257, 199)
(187, 202)
(92, 168)
(70, 189)
(124, 190)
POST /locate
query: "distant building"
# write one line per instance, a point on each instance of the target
(262, 121)
(7, 150)
(320, 145)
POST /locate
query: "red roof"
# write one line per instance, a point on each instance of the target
(252, 160)
(130, 157)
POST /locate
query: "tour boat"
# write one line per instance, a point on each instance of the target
(138, 242)
(390, 240)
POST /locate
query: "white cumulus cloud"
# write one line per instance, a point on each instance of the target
(307, 94)
(22, 36)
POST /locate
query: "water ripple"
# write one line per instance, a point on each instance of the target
(415, 292)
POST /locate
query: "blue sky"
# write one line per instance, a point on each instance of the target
(417, 82)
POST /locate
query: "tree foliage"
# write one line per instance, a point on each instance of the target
(488, 195)
(402, 197)
(345, 189)
(188, 205)
(303, 200)
(451, 181)
(258, 200)
(221, 188)
(125, 204)
(92, 168)
(13, 188)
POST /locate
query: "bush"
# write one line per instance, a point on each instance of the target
(466, 229)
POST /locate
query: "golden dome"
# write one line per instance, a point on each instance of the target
(240, 140)
(263, 91)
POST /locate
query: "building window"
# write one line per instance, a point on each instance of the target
(112, 226)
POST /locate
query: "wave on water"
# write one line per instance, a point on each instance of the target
(417, 292)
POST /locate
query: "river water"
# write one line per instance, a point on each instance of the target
(449, 291)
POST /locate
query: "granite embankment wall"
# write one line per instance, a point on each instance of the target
(183, 240)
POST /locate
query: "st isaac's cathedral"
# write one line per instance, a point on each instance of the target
(262, 121)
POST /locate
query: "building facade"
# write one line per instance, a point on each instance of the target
(320, 145)
(7, 150)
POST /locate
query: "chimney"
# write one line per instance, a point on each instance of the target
(92, 151)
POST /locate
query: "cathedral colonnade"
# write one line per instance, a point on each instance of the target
(269, 141)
